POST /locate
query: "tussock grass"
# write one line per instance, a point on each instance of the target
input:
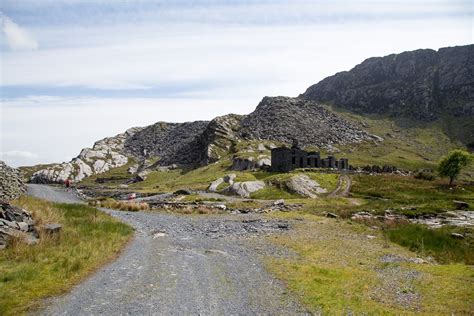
(435, 242)
(129, 206)
(30, 273)
(200, 210)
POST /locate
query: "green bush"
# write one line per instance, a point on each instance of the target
(424, 175)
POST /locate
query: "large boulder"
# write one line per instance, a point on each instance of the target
(11, 183)
(228, 179)
(244, 189)
(305, 186)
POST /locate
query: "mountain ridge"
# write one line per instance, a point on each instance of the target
(423, 85)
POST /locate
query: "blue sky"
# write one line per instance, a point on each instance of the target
(73, 72)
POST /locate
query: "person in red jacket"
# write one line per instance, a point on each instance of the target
(67, 183)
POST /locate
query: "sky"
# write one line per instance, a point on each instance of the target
(73, 72)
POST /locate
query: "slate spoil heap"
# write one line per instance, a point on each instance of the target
(14, 221)
(11, 183)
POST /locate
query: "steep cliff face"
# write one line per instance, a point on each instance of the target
(285, 119)
(422, 84)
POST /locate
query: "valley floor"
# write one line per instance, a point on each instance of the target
(183, 265)
(278, 263)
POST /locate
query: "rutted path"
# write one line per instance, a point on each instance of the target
(343, 188)
(180, 265)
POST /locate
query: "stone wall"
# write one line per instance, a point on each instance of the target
(11, 183)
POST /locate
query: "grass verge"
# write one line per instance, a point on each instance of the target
(88, 240)
(339, 270)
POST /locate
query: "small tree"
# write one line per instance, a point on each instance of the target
(451, 165)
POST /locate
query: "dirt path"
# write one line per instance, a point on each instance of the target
(180, 265)
(343, 188)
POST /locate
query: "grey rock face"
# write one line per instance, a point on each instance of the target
(11, 183)
(173, 143)
(219, 137)
(422, 84)
(285, 119)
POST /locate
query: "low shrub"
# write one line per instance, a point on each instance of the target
(130, 206)
(424, 175)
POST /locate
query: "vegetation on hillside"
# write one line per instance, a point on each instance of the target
(88, 239)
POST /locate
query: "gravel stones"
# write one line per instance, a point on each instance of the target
(11, 183)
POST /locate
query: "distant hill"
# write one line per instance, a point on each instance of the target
(395, 109)
(424, 85)
(191, 144)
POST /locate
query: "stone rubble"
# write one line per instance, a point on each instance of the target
(11, 183)
(16, 223)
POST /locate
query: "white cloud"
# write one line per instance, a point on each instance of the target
(18, 154)
(137, 57)
(17, 158)
(16, 37)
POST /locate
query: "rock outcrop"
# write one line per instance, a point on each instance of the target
(11, 183)
(422, 84)
(219, 137)
(106, 154)
(305, 186)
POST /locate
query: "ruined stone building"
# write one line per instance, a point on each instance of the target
(285, 159)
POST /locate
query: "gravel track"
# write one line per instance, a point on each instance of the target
(181, 265)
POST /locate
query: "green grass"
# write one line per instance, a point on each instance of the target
(336, 271)
(272, 193)
(435, 242)
(383, 192)
(407, 144)
(29, 274)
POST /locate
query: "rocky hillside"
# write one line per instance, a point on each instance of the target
(284, 119)
(280, 119)
(106, 154)
(172, 143)
(423, 84)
